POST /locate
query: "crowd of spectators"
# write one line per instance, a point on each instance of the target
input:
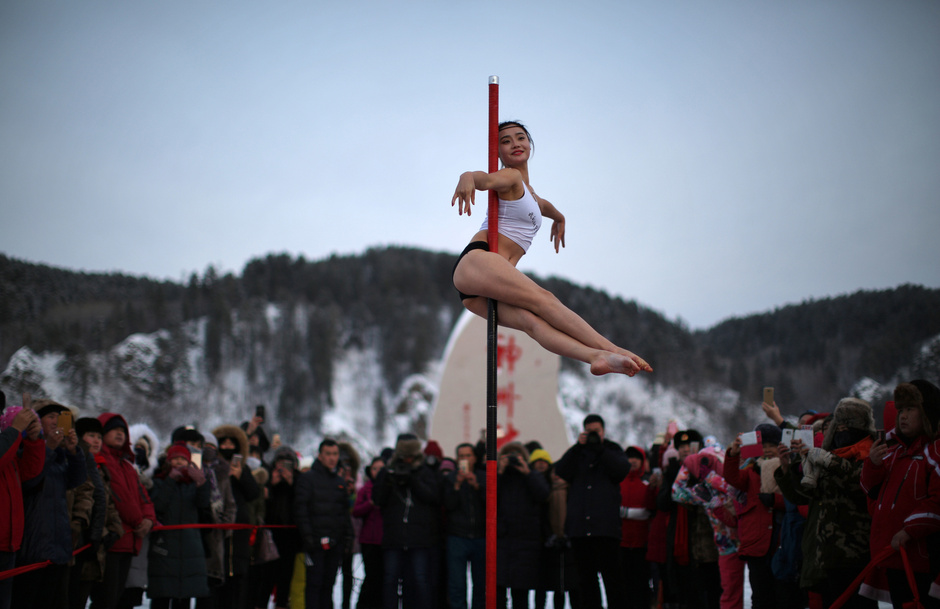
(93, 510)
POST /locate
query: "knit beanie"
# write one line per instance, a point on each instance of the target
(115, 422)
(540, 454)
(88, 424)
(769, 433)
(178, 450)
(433, 449)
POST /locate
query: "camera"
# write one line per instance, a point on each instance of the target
(514, 460)
(400, 472)
(593, 438)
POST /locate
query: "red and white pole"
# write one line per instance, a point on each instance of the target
(491, 335)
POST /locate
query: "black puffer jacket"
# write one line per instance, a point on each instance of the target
(411, 505)
(466, 506)
(594, 473)
(321, 507)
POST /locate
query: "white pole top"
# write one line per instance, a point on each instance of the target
(494, 80)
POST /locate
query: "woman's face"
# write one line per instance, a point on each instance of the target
(93, 440)
(375, 468)
(514, 146)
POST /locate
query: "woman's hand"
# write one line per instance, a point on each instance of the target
(735, 448)
(783, 452)
(557, 235)
(465, 193)
(877, 452)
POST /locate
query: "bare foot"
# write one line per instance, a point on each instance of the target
(639, 361)
(608, 362)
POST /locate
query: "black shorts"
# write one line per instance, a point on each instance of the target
(473, 245)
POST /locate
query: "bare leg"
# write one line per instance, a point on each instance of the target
(492, 276)
(556, 341)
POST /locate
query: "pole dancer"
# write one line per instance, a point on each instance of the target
(483, 273)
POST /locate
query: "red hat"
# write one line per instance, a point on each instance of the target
(178, 450)
(434, 449)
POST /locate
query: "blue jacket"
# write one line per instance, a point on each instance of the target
(48, 530)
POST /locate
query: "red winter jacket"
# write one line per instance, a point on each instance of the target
(14, 470)
(925, 520)
(638, 504)
(131, 498)
(755, 520)
(899, 488)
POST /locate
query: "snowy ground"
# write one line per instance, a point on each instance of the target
(358, 573)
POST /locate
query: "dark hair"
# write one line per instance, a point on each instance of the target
(368, 471)
(593, 418)
(327, 442)
(507, 124)
(467, 444)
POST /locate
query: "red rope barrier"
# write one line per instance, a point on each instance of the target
(160, 527)
(877, 559)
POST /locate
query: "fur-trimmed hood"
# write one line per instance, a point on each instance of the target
(347, 453)
(236, 433)
(142, 430)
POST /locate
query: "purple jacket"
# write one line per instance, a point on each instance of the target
(371, 515)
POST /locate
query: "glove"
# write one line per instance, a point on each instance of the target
(820, 457)
(175, 474)
(196, 474)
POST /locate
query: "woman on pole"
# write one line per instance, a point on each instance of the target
(523, 305)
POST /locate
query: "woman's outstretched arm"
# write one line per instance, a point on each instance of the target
(557, 236)
(506, 182)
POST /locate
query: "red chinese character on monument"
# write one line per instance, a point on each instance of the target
(506, 398)
(507, 353)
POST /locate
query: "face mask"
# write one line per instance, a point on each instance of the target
(227, 453)
(841, 439)
(253, 463)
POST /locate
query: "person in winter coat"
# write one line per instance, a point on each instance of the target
(841, 525)
(465, 502)
(896, 477)
(279, 511)
(700, 483)
(133, 504)
(22, 456)
(321, 511)
(177, 566)
(637, 504)
(47, 533)
(348, 468)
(521, 491)
(233, 449)
(409, 493)
(89, 509)
(222, 510)
(370, 539)
(759, 514)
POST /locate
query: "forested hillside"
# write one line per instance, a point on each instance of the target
(401, 299)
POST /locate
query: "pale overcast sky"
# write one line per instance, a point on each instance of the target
(712, 158)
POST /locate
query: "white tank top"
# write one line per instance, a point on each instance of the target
(519, 220)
